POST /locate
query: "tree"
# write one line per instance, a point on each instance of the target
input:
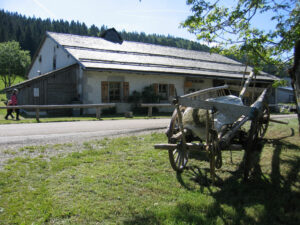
(94, 31)
(295, 75)
(13, 62)
(229, 26)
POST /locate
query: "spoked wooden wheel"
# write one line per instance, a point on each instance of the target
(257, 131)
(214, 150)
(263, 121)
(178, 157)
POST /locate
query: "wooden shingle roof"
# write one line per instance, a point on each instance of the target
(101, 54)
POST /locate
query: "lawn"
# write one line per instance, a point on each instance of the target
(126, 181)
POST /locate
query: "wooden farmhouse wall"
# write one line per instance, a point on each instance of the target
(55, 88)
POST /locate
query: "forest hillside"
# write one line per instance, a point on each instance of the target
(30, 31)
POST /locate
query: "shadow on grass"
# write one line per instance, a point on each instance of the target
(149, 218)
(264, 199)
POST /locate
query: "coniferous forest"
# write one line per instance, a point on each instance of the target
(30, 31)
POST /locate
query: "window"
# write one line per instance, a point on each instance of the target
(36, 92)
(40, 58)
(163, 90)
(54, 62)
(114, 91)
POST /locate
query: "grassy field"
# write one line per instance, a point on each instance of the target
(126, 181)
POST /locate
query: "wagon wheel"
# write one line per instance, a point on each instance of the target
(215, 149)
(257, 131)
(174, 126)
(178, 157)
(263, 121)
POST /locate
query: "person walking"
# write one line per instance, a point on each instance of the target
(13, 101)
(9, 111)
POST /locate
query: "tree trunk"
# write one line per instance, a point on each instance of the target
(295, 76)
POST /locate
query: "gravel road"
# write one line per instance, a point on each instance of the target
(62, 132)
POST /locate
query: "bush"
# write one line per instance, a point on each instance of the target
(147, 96)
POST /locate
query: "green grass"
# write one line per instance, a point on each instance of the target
(126, 181)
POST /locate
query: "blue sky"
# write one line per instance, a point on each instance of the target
(149, 16)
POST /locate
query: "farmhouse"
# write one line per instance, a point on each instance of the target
(68, 68)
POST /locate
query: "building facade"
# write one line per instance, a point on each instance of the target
(68, 68)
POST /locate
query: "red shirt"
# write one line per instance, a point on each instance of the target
(14, 100)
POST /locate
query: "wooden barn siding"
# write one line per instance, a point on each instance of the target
(62, 89)
(57, 88)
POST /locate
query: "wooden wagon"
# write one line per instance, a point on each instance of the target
(223, 116)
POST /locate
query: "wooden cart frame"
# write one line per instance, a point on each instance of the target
(229, 137)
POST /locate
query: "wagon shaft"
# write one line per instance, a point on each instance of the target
(197, 147)
(189, 146)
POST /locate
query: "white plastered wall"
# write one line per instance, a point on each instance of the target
(92, 85)
(47, 52)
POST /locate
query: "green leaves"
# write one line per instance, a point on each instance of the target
(13, 61)
(230, 25)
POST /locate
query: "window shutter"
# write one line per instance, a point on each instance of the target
(104, 91)
(125, 91)
(171, 90)
(155, 87)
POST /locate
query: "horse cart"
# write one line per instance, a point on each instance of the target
(212, 120)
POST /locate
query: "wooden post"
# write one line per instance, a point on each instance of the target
(98, 113)
(207, 127)
(247, 83)
(212, 147)
(37, 114)
(150, 111)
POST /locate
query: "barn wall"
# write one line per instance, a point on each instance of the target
(44, 60)
(59, 87)
(285, 95)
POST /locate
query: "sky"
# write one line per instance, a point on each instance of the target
(149, 16)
